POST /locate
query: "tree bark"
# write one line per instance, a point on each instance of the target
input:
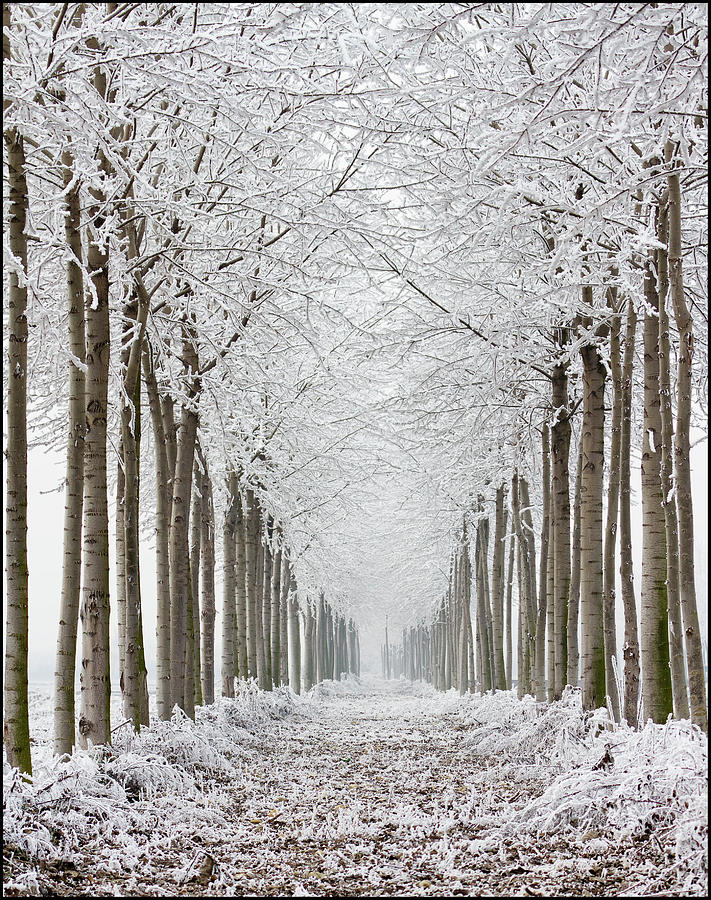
(530, 563)
(685, 508)
(179, 527)
(284, 648)
(251, 514)
(591, 546)
(309, 634)
(497, 590)
(65, 670)
(523, 685)
(631, 646)
(120, 548)
(666, 471)
(95, 717)
(540, 648)
(261, 658)
(195, 560)
(189, 656)
(266, 604)
(574, 595)
(508, 624)
(170, 429)
(207, 615)
(613, 492)
(294, 636)
(276, 617)
(16, 728)
(229, 584)
(656, 677)
(487, 636)
(560, 505)
(162, 527)
(134, 676)
(239, 651)
(550, 615)
(464, 606)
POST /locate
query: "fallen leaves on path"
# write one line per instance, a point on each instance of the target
(377, 789)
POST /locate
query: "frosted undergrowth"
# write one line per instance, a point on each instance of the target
(607, 783)
(152, 780)
(384, 784)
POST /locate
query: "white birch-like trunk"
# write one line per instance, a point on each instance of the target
(591, 530)
(654, 638)
(682, 446)
(16, 728)
(65, 668)
(227, 673)
(162, 526)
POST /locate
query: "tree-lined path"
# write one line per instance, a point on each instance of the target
(368, 337)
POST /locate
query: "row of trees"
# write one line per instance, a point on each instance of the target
(371, 264)
(131, 283)
(568, 587)
(598, 190)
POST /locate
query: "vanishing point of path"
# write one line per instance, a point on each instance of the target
(376, 793)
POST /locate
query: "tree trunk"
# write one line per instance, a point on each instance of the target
(508, 624)
(207, 544)
(195, 541)
(261, 656)
(275, 653)
(266, 602)
(523, 686)
(497, 590)
(135, 676)
(16, 729)
(309, 634)
(631, 646)
(65, 670)
(239, 650)
(540, 660)
(229, 528)
(685, 509)
(487, 635)
(613, 491)
(120, 547)
(179, 526)
(189, 657)
(251, 515)
(574, 595)
(666, 471)
(560, 506)
(530, 561)
(170, 429)
(591, 487)
(463, 630)
(95, 714)
(550, 615)
(656, 677)
(163, 507)
(294, 636)
(284, 643)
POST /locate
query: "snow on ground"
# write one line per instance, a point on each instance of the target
(365, 788)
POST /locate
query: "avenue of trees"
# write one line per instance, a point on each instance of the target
(342, 305)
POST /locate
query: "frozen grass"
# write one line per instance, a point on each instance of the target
(365, 787)
(607, 784)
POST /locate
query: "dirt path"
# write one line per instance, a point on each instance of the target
(370, 794)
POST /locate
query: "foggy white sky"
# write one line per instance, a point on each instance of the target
(45, 513)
